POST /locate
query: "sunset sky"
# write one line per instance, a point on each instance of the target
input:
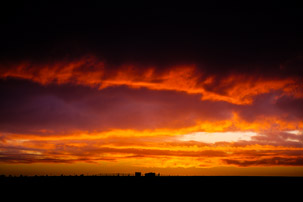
(181, 91)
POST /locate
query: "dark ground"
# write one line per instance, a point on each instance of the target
(115, 186)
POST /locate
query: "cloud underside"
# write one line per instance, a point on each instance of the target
(82, 111)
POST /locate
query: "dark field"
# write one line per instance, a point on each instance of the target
(215, 186)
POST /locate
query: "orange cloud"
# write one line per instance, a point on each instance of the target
(233, 124)
(162, 147)
(89, 71)
(157, 151)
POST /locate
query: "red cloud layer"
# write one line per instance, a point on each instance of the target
(159, 151)
(89, 71)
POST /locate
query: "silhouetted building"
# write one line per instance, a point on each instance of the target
(138, 174)
(150, 174)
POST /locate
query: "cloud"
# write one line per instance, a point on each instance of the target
(273, 104)
(275, 138)
(276, 161)
(279, 138)
(233, 87)
(30, 107)
(150, 151)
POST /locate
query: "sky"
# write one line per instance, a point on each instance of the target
(199, 90)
